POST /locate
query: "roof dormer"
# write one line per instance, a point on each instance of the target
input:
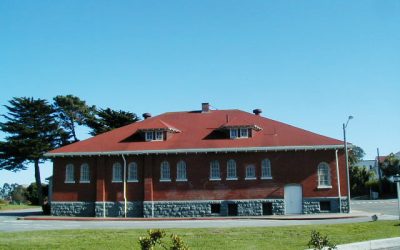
(158, 131)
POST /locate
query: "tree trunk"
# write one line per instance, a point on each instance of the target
(38, 182)
(73, 130)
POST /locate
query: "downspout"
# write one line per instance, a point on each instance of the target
(338, 181)
(125, 208)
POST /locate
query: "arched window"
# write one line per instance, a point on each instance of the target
(231, 170)
(117, 172)
(250, 172)
(214, 171)
(132, 172)
(181, 171)
(165, 171)
(324, 175)
(85, 176)
(69, 173)
(266, 169)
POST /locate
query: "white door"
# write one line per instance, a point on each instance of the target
(293, 199)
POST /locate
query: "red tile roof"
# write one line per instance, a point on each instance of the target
(195, 130)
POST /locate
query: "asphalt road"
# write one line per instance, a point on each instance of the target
(385, 207)
(9, 222)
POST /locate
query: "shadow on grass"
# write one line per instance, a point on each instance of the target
(21, 213)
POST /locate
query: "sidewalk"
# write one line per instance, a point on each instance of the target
(322, 216)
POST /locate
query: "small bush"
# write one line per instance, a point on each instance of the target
(155, 238)
(319, 242)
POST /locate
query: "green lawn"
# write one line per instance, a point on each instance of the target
(6, 207)
(292, 237)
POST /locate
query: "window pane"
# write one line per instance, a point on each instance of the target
(231, 169)
(132, 171)
(159, 135)
(165, 171)
(181, 170)
(244, 132)
(117, 172)
(69, 173)
(234, 132)
(324, 178)
(214, 170)
(85, 172)
(250, 172)
(149, 135)
(266, 168)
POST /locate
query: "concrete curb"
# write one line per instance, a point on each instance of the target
(59, 218)
(390, 243)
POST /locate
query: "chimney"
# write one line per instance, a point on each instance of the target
(146, 115)
(257, 111)
(205, 107)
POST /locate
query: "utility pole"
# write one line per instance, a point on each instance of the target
(379, 172)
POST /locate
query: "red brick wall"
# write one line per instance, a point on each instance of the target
(287, 168)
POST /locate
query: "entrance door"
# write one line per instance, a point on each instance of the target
(293, 199)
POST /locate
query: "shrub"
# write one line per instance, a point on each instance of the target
(155, 238)
(319, 242)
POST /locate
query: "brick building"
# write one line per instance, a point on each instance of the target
(200, 163)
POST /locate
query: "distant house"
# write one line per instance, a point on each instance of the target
(200, 163)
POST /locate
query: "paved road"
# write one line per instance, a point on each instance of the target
(385, 207)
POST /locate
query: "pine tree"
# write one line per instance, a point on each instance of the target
(70, 111)
(31, 131)
(108, 119)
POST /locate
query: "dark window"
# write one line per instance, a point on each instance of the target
(267, 208)
(325, 205)
(215, 208)
(232, 209)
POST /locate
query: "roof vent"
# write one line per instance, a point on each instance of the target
(205, 107)
(146, 115)
(257, 111)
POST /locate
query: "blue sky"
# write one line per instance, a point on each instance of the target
(307, 63)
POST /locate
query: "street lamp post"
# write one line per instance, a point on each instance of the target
(397, 180)
(347, 160)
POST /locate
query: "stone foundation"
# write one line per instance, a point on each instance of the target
(72, 208)
(116, 209)
(194, 208)
(203, 208)
(313, 205)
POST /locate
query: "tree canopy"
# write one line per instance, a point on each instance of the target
(71, 110)
(391, 165)
(356, 154)
(31, 131)
(108, 119)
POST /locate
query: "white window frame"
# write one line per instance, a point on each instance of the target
(84, 173)
(181, 173)
(69, 173)
(234, 133)
(244, 133)
(324, 175)
(132, 172)
(215, 173)
(231, 172)
(159, 135)
(165, 172)
(250, 172)
(149, 135)
(117, 172)
(266, 171)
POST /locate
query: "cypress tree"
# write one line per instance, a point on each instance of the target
(31, 131)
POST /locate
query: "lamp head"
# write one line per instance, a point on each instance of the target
(351, 117)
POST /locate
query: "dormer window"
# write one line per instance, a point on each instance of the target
(244, 133)
(234, 133)
(154, 135)
(239, 133)
(159, 136)
(149, 135)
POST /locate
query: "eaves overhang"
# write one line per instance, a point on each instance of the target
(199, 150)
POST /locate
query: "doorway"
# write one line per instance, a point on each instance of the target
(293, 199)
